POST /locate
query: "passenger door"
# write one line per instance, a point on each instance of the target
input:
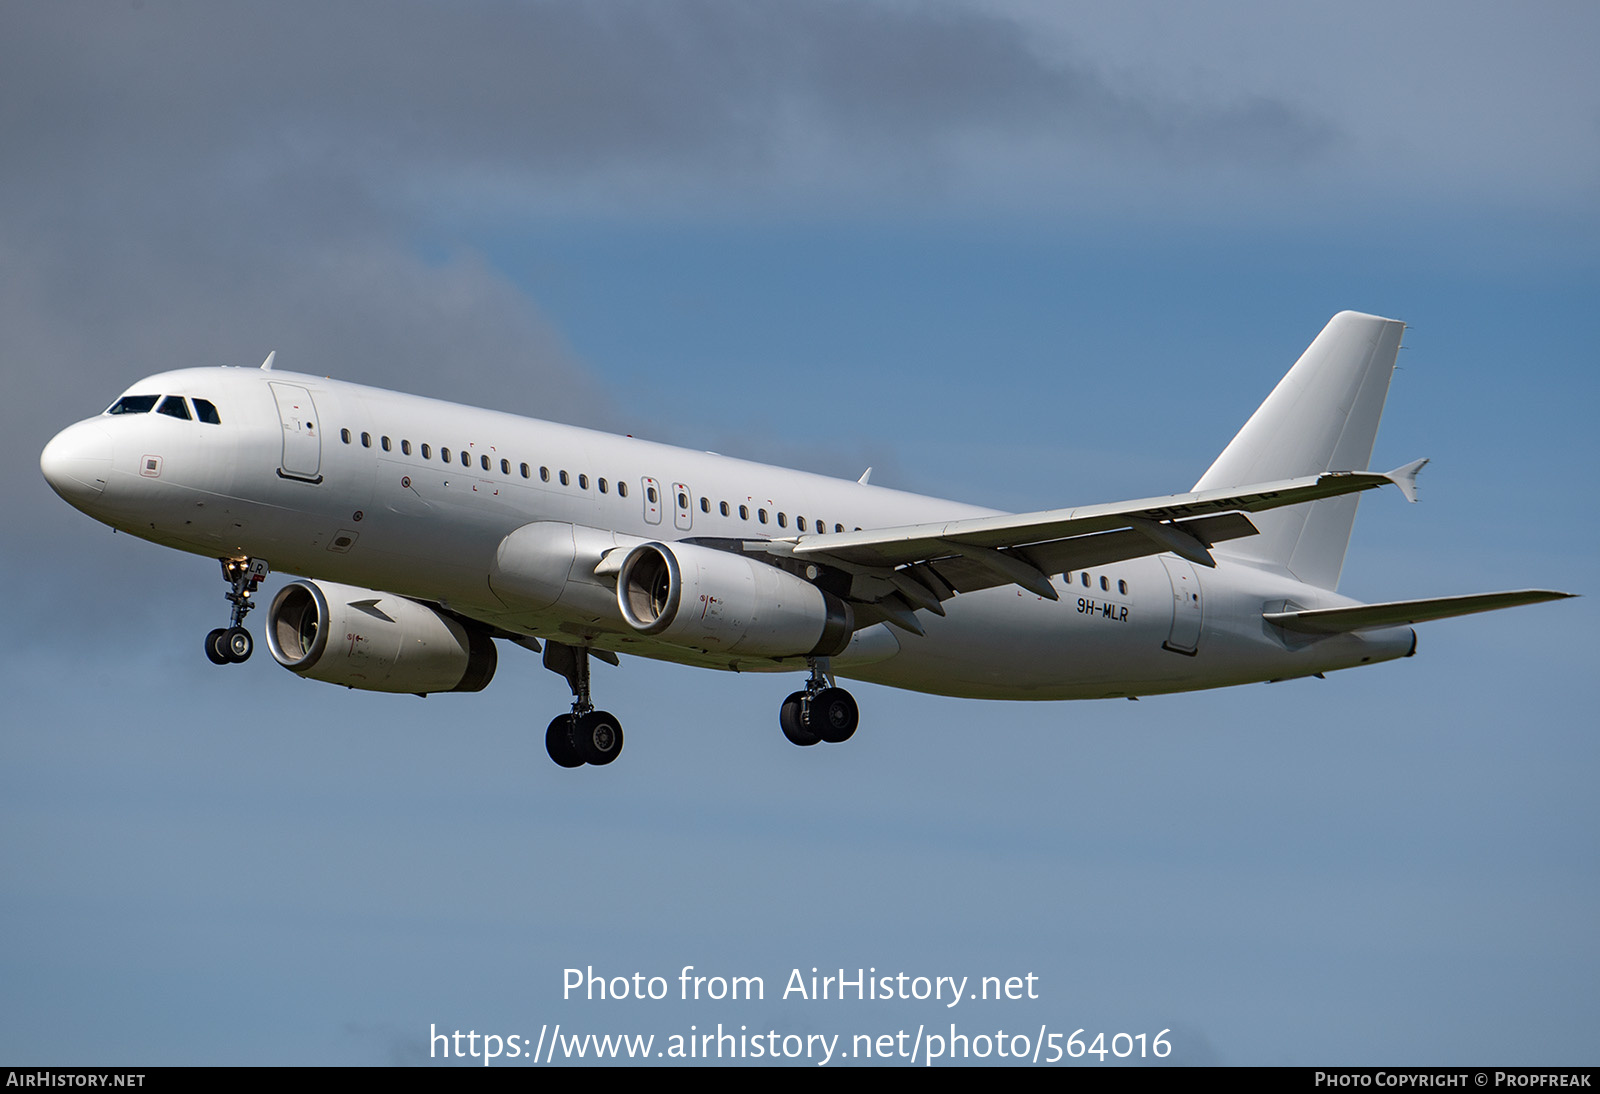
(302, 438)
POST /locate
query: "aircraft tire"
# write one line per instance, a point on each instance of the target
(791, 718)
(833, 715)
(598, 736)
(216, 653)
(558, 742)
(238, 644)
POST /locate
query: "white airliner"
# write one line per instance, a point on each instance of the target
(425, 530)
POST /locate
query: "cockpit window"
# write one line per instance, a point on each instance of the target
(206, 412)
(173, 406)
(133, 404)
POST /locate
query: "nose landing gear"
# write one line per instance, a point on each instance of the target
(233, 644)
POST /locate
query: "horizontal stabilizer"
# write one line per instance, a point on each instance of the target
(1400, 612)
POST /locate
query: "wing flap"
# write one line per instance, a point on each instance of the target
(1397, 613)
(1083, 552)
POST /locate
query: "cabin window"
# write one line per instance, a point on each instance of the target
(384, 441)
(206, 412)
(783, 521)
(1122, 587)
(1084, 578)
(800, 523)
(744, 512)
(505, 467)
(427, 452)
(405, 448)
(761, 515)
(566, 480)
(526, 471)
(366, 440)
(705, 505)
(583, 482)
(838, 527)
(602, 485)
(722, 507)
(1105, 584)
(622, 489)
(544, 474)
(444, 455)
(466, 458)
(483, 462)
(683, 500)
(650, 492)
(344, 435)
(133, 404)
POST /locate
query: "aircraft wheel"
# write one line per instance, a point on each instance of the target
(558, 742)
(216, 653)
(791, 716)
(237, 644)
(834, 715)
(598, 737)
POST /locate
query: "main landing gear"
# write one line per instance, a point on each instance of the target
(232, 644)
(587, 735)
(821, 712)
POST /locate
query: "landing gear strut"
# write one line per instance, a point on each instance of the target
(821, 712)
(587, 735)
(232, 644)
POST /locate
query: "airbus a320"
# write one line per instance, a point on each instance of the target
(424, 531)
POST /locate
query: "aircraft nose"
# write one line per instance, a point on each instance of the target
(77, 462)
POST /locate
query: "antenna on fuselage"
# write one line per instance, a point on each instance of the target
(266, 366)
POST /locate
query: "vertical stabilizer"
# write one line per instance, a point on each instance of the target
(1322, 416)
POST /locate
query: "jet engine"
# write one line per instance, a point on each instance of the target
(342, 634)
(704, 598)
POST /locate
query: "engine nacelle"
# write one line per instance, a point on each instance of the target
(342, 634)
(716, 600)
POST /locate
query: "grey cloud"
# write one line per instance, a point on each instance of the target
(357, 308)
(80, 321)
(194, 182)
(542, 95)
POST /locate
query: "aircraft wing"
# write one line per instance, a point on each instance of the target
(928, 563)
(1397, 613)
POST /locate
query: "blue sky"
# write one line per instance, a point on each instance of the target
(1025, 255)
